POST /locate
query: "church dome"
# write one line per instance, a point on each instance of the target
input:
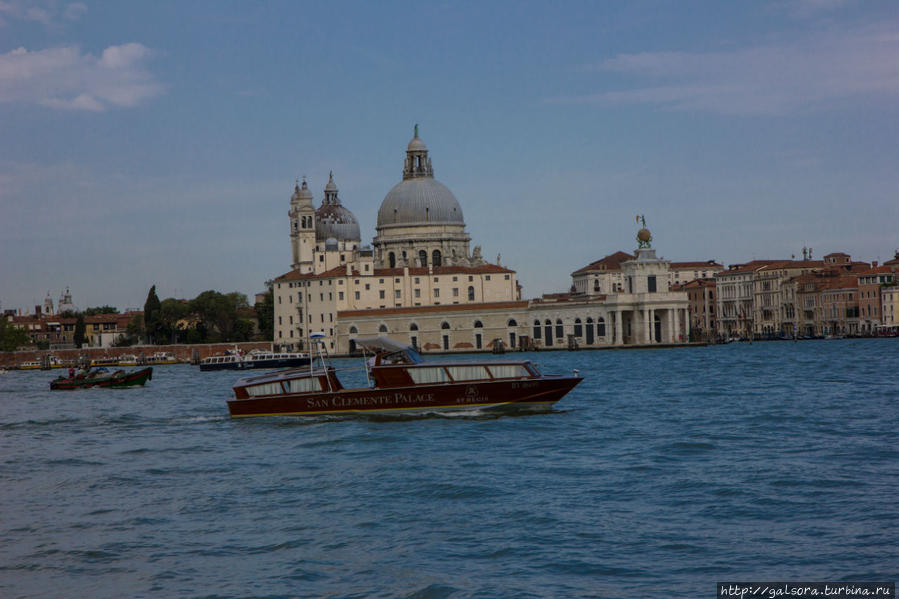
(419, 198)
(332, 220)
(420, 201)
(337, 222)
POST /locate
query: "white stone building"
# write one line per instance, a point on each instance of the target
(420, 283)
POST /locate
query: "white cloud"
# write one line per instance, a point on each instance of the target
(775, 79)
(66, 78)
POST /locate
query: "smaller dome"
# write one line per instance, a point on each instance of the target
(331, 186)
(302, 193)
(416, 145)
(335, 221)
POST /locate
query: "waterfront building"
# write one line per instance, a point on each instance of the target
(701, 298)
(684, 272)
(774, 300)
(840, 306)
(735, 291)
(420, 258)
(420, 282)
(870, 284)
(640, 313)
(890, 308)
(58, 332)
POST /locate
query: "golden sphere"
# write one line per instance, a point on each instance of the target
(643, 235)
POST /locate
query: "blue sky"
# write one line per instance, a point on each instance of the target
(158, 142)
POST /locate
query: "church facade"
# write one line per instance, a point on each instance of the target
(419, 282)
(420, 257)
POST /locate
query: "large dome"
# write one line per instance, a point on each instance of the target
(419, 198)
(415, 201)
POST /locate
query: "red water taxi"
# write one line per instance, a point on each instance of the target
(400, 380)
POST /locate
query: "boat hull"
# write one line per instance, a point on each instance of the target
(256, 364)
(128, 379)
(526, 394)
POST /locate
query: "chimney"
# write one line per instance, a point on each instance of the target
(874, 264)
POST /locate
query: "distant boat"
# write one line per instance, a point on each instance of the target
(400, 381)
(236, 360)
(160, 358)
(104, 361)
(102, 378)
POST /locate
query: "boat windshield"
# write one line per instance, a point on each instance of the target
(391, 351)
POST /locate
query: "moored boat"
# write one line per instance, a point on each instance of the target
(400, 380)
(104, 361)
(100, 377)
(161, 357)
(237, 360)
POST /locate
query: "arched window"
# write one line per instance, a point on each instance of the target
(444, 325)
(478, 324)
(536, 329)
(413, 327)
(423, 257)
(470, 293)
(559, 329)
(353, 330)
(512, 323)
(578, 329)
(391, 260)
(600, 327)
(436, 258)
(382, 328)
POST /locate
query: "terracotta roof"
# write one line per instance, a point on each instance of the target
(747, 267)
(877, 270)
(790, 264)
(610, 262)
(706, 264)
(695, 283)
(520, 305)
(841, 282)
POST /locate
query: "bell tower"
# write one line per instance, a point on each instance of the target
(302, 228)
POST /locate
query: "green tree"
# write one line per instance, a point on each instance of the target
(11, 336)
(80, 327)
(101, 310)
(218, 315)
(265, 313)
(152, 316)
(135, 329)
(170, 312)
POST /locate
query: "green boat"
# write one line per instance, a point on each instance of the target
(101, 377)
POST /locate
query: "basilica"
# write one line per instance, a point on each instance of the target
(421, 282)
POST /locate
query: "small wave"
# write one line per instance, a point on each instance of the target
(432, 591)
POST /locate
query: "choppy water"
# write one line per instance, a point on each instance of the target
(664, 472)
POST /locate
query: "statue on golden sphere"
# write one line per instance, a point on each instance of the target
(644, 237)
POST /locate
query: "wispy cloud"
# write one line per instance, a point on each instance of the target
(66, 78)
(46, 13)
(773, 79)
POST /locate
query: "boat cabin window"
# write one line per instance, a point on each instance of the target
(508, 371)
(405, 356)
(468, 373)
(428, 375)
(264, 389)
(304, 385)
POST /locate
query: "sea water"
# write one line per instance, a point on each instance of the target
(664, 472)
